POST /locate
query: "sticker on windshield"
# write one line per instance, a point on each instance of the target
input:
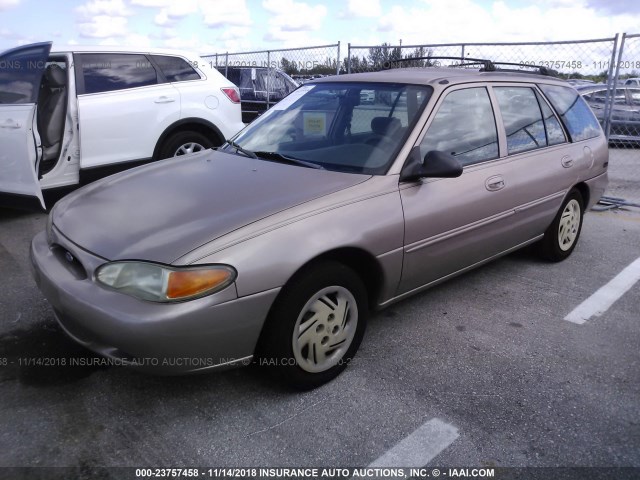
(314, 123)
(290, 99)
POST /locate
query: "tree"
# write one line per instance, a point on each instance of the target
(289, 67)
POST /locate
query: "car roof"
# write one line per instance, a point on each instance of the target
(430, 75)
(119, 49)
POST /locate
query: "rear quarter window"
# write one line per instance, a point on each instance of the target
(175, 69)
(574, 112)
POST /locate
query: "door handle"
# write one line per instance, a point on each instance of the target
(495, 183)
(567, 161)
(164, 99)
(10, 124)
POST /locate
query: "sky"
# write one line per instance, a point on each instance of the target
(217, 26)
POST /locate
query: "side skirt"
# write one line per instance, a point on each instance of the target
(455, 274)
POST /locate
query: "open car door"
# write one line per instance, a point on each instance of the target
(21, 71)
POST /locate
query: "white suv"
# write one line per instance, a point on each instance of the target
(72, 115)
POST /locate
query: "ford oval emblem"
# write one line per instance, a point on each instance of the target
(69, 257)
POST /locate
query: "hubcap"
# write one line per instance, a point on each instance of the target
(188, 148)
(325, 329)
(569, 225)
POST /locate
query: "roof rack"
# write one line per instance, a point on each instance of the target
(541, 70)
(487, 65)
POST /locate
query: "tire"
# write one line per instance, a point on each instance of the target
(183, 143)
(562, 235)
(306, 360)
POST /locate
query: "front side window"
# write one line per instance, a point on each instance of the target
(465, 127)
(522, 118)
(326, 124)
(175, 69)
(21, 71)
(106, 72)
(574, 112)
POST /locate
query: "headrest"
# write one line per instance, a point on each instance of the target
(385, 125)
(55, 76)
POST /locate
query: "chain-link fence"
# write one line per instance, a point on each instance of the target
(606, 71)
(624, 124)
(577, 60)
(265, 77)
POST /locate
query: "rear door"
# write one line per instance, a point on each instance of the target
(21, 71)
(124, 105)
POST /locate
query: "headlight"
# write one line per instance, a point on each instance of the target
(161, 283)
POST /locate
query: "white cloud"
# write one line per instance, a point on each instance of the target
(171, 14)
(225, 14)
(449, 21)
(361, 8)
(114, 8)
(234, 33)
(103, 19)
(215, 14)
(7, 4)
(133, 39)
(290, 16)
(103, 26)
(152, 3)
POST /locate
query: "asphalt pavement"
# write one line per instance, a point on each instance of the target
(487, 358)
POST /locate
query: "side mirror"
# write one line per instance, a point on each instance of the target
(436, 164)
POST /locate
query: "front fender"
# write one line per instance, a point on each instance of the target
(269, 259)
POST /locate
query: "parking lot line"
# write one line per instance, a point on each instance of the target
(420, 447)
(600, 301)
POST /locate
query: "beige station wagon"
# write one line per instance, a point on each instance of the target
(275, 247)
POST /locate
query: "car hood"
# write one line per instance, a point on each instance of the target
(160, 212)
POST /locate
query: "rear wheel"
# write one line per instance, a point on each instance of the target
(316, 326)
(185, 143)
(562, 235)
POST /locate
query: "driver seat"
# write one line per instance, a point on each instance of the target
(52, 107)
(385, 126)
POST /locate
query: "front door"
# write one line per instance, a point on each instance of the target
(21, 71)
(453, 223)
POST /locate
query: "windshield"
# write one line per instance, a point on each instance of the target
(350, 127)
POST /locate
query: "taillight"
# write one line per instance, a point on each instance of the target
(232, 94)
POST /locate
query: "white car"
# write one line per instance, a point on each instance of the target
(68, 116)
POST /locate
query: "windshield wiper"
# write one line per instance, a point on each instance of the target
(287, 159)
(238, 148)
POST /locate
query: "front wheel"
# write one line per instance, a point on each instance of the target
(316, 326)
(562, 235)
(184, 143)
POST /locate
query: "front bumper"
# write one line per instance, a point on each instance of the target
(216, 331)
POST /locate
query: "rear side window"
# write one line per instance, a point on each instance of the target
(574, 112)
(175, 69)
(522, 119)
(555, 134)
(106, 72)
(465, 127)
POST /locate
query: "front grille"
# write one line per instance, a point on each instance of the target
(69, 261)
